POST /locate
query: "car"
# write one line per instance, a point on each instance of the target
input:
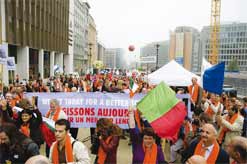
(230, 90)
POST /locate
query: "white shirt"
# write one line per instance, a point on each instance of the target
(208, 151)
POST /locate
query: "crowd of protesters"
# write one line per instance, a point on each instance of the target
(217, 130)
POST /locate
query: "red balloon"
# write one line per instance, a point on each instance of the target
(131, 48)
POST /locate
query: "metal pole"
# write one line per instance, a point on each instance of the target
(157, 55)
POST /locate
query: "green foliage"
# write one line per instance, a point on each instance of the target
(233, 65)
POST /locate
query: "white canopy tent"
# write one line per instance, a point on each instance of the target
(172, 74)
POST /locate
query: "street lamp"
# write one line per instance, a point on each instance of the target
(90, 56)
(157, 53)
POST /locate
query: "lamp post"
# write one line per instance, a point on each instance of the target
(90, 56)
(157, 54)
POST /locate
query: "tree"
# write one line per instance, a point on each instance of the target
(233, 65)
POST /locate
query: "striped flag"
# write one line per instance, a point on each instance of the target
(163, 110)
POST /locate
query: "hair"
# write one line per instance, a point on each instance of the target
(14, 135)
(104, 123)
(116, 130)
(27, 111)
(54, 101)
(38, 159)
(213, 128)
(148, 131)
(64, 122)
(25, 104)
(235, 108)
(205, 117)
(240, 146)
(245, 99)
(242, 151)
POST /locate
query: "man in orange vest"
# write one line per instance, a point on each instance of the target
(194, 90)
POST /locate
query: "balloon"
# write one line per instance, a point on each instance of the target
(131, 48)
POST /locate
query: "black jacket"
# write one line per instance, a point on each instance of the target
(34, 126)
(20, 152)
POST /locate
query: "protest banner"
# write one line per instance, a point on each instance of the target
(85, 108)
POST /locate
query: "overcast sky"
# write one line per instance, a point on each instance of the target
(138, 22)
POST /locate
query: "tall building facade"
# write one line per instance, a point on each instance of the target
(120, 59)
(182, 45)
(109, 58)
(100, 51)
(35, 33)
(92, 41)
(233, 44)
(80, 35)
(151, 50)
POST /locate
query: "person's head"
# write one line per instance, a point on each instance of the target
(38, 159)
(204, 119)
(54, 104)
(245, 102)
(196, 159)
(25, 104)
(8, 96)
(103, 127)
(232, 102)
(233, 110)
(62, 127)
(194, 80)
(26, 115)
(73, 89)
(66, 85)
(148, 137)
(208, 134)
(237, 149)
(186, 120)
(9, 135)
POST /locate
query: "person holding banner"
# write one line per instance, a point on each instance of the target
(29, 124)
(145, 150)
(54, 113)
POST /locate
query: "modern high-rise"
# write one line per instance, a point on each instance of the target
(92, 42)
(109, 58)
(35, 33)
(120, 59)
(183, 46)
(80, 35)
(100, 50)
(151, 50)
(232, 44)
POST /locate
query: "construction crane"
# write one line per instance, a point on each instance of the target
(214, 31)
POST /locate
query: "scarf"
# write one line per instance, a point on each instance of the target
(194, 95)
(101, 154)
(25, 130)
(224, 129)
(68, 151)
(212, 156)
(66, 89)
(138, 120)
(150, 155)
(55, 116)
(210, 111)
